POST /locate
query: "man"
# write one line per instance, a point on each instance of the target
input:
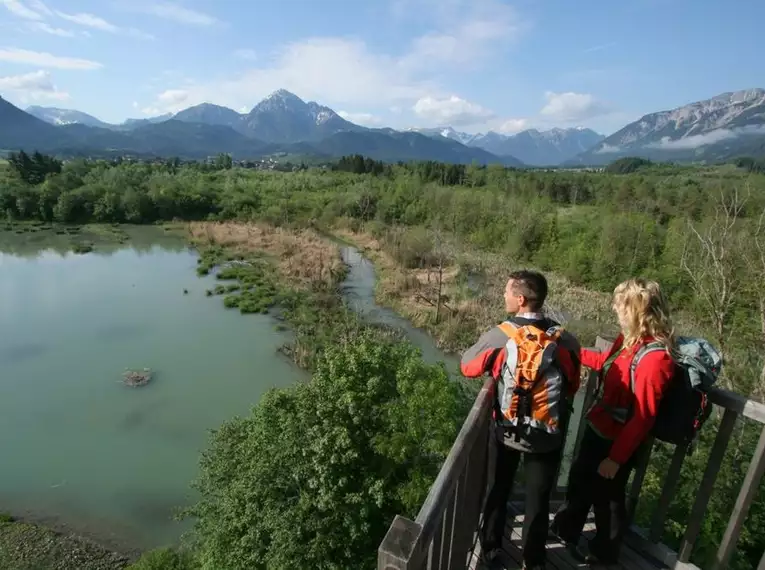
(536, 366)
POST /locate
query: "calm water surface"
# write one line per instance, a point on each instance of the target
(79, 447)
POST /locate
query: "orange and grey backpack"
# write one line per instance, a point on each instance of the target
(531, 387)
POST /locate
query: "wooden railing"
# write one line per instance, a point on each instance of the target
(443, 534)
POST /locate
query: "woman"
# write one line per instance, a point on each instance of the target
(620, 420)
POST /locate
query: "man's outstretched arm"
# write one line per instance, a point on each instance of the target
(482, 356)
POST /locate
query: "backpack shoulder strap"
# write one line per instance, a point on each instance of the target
(508, 328)
(642, 351)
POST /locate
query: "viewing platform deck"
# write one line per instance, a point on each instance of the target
(444, 533)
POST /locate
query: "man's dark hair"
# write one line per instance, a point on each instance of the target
(532, 285)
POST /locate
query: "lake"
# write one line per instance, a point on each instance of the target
(78, 446)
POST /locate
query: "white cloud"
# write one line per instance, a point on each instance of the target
(246, 54)
(34, 85)
(608, 149)
(89, 21)
(180, 14)
(451, 110)
(718, 135)
(334, 71)
(365, 119)
(571, 107)
(173, 97)
(48, 29)
(473, 31)
(40, 7)
(20, 10)
(510, 126)
(43, 59)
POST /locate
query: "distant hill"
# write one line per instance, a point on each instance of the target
(392, 146)
(728, 125)
(210, 114)
(533, 147)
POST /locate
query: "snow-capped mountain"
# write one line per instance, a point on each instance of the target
(716, 128)
(449, 133)
(56, 116)
(283, 117)
(538, 148)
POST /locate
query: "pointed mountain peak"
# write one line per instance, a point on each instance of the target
(284, 95)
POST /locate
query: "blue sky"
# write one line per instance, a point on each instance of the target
(473, 64)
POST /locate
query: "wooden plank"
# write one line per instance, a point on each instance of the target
(436, 546)
(704, 492)
(660, 554)
(667, 494)
(462, 531)
(747, 494)
(450, 520)
(738, 403)
(443, 487)
(637, 479)
(589, 397)
(399, 547)
(630, 558)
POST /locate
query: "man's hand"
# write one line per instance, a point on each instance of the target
(608, 468)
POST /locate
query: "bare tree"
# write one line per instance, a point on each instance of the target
(754, 256)
(712, 263)
(442, 253)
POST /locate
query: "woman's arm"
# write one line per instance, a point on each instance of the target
(595, 359)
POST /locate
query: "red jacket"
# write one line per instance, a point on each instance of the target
(652, 376)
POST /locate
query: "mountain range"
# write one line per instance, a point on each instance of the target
(282, 122)
(728, 125)
(532, 147)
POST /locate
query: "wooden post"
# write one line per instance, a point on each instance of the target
(637, 480)
(743, 502)
(398, 547)
(667, 493)
(707, 484)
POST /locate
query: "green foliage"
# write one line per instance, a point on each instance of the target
(627, 165)
(33, 169)
(313, 477)
(5, 518)
(165, 559)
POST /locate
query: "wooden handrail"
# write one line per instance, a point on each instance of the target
(452, 505)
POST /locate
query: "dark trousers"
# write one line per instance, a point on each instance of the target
(540, 470)
(586, 488)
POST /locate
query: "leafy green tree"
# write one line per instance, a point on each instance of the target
(313, 477)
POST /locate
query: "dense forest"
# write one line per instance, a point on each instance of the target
(700, 231)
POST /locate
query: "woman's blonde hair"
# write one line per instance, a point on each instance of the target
(643, 312)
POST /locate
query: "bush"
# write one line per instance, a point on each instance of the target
(165, 559)
(362, 441)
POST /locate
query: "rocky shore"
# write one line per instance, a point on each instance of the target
(26, 546)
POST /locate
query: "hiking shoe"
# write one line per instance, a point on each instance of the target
(491, 560)
(593, 560)
(571, 547)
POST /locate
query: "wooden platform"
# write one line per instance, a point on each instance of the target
(557, 556)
